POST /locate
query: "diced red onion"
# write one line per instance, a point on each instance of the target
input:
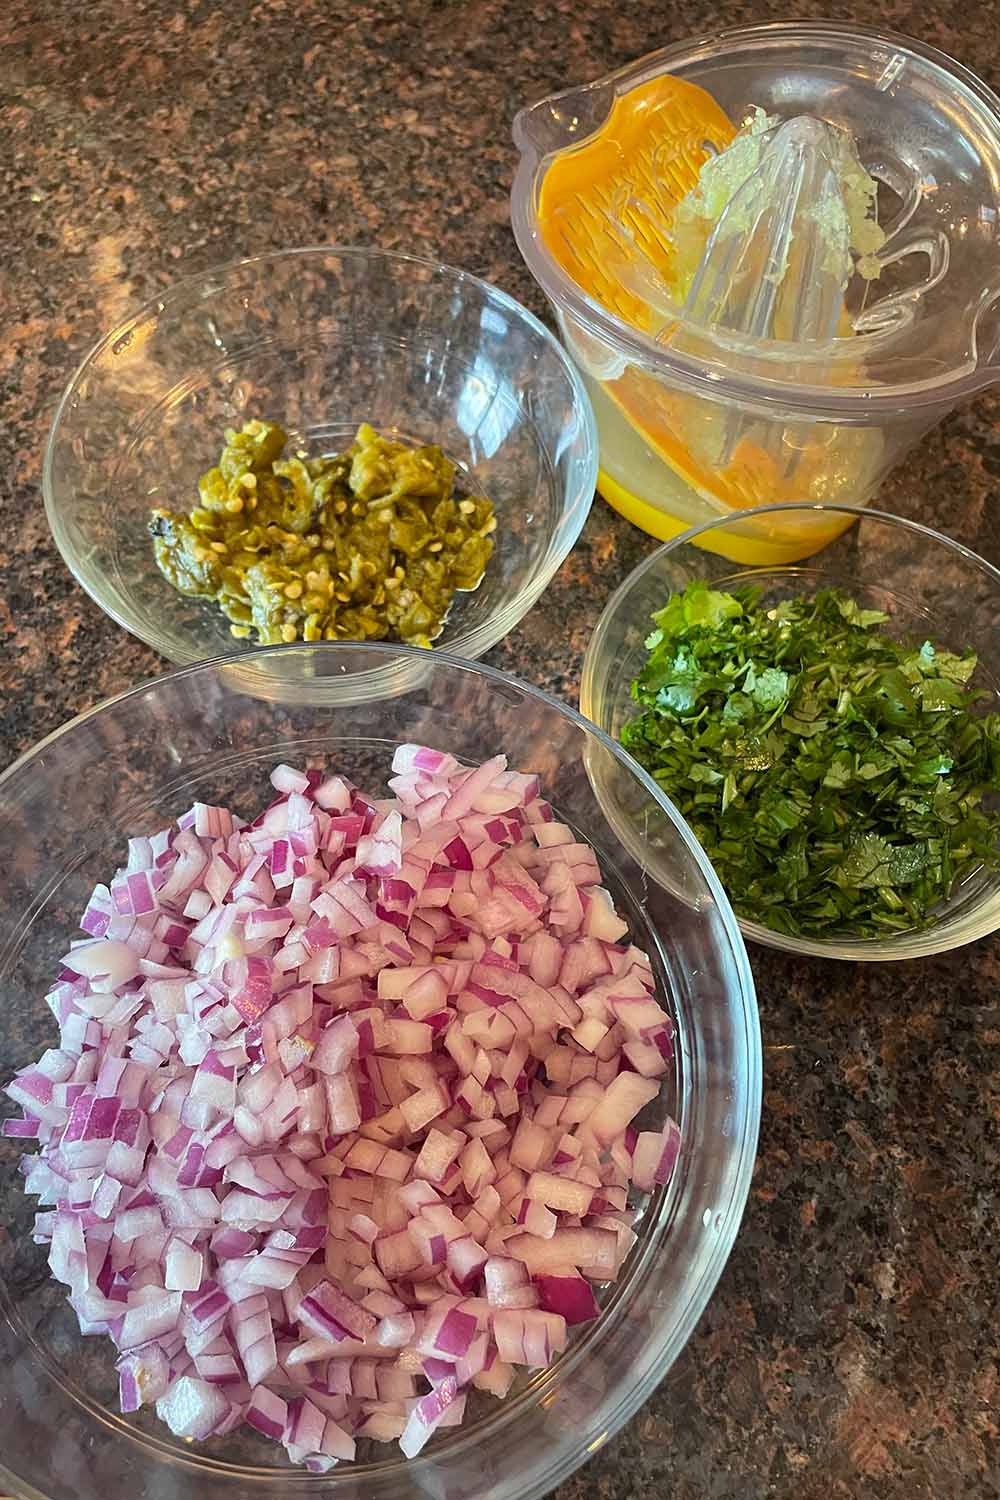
(326, 1078)
(143, 1376)
(192, 1408)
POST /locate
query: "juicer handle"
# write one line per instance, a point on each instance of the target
(562, 120)
(986, 333)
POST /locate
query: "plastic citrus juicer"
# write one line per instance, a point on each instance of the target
(774, 256)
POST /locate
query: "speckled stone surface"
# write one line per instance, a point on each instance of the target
(851, 1349)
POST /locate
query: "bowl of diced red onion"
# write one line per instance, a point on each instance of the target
(374, 1124)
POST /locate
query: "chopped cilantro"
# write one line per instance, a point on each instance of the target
(835, 776)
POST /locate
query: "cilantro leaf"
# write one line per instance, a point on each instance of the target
(698, 605)
(770, 690)
(855, 615)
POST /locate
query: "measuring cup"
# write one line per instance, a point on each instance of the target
(697, 421)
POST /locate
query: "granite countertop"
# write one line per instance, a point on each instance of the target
(851, 1349)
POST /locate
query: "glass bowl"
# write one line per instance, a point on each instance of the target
(319, 340)
(212, 732)
(933, 588)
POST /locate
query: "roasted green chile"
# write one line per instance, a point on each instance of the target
(367, 544)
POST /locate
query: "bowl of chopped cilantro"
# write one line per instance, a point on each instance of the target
(321, 444)
(830, 730)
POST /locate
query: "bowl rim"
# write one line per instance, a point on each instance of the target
(617, 1406)
(913, 943)
(472, 642)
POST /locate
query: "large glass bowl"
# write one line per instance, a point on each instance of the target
(319, 340)
(931, 587)
(212, 732)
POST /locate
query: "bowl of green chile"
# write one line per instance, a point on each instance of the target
(830, 730)
(407, 454)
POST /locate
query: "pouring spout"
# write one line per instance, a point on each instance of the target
(564, 119)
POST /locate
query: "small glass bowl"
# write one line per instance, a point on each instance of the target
(319, 340)
(933, 589)
(212, 733)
